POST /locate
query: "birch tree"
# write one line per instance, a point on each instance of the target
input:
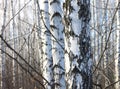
(3, 83)
(46, 43)
(56, 14)
(14, 32)
(79, 45)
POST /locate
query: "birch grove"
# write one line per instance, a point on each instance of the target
(59, 44)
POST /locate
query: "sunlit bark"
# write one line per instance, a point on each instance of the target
(79, 45)
(46, 43)
(56, 14)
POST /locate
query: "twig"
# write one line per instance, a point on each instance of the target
(107, 39)
(23, 59)
(16, 14)
(23, 68)
(112, 84)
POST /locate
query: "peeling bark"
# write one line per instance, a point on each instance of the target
(79, 45)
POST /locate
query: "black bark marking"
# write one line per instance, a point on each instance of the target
(71, 9)
(55, 1)
(53, 26)
(56, 14)
(76, 70)
(84, 43)
(84, 12)
(45, 1)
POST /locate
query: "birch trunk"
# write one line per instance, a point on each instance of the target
(14, 32)
(46, 43)
(3, 83)
(79, 44)
(57, 27)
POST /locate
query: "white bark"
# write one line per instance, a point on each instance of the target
(13, 31)
(39, 34)
(66, 40)
(3, 83)
(57, 27)
(79, 45)
(46, 43)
